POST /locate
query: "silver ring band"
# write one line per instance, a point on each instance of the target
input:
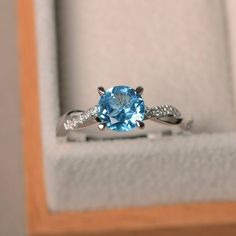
(77, 119)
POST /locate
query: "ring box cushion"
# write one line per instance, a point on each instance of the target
(179, 53)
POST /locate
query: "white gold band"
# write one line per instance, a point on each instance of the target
(78, 119)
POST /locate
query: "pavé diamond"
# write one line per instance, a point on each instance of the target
(120, 108)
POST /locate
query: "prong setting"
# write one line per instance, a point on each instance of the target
(98, 119)
(101, 126)
(101, 91)
(140, 124)
(139, 90)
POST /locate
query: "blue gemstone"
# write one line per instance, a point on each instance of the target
(120, 107)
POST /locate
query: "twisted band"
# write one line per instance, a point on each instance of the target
(78, 119)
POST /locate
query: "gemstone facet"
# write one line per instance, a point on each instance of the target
(120, 108)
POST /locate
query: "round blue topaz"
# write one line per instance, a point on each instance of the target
(120, 108)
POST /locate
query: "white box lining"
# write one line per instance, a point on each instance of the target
(93, 175)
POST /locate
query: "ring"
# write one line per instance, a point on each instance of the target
(121, 109)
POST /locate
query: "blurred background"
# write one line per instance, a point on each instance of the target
(12, 215)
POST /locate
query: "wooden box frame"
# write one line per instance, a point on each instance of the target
(200, 219)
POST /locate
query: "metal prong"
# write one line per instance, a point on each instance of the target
(140, 124)
(101, 126)
(98, 119)
(101, 91)
(139, 90)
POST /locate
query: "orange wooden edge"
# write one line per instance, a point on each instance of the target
(186, 219)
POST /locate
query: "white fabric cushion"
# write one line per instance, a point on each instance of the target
(178, 52)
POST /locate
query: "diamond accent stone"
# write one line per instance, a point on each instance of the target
(162, 111)
(71, 124)
(75, 122)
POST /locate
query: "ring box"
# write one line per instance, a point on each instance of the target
(208, 211)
